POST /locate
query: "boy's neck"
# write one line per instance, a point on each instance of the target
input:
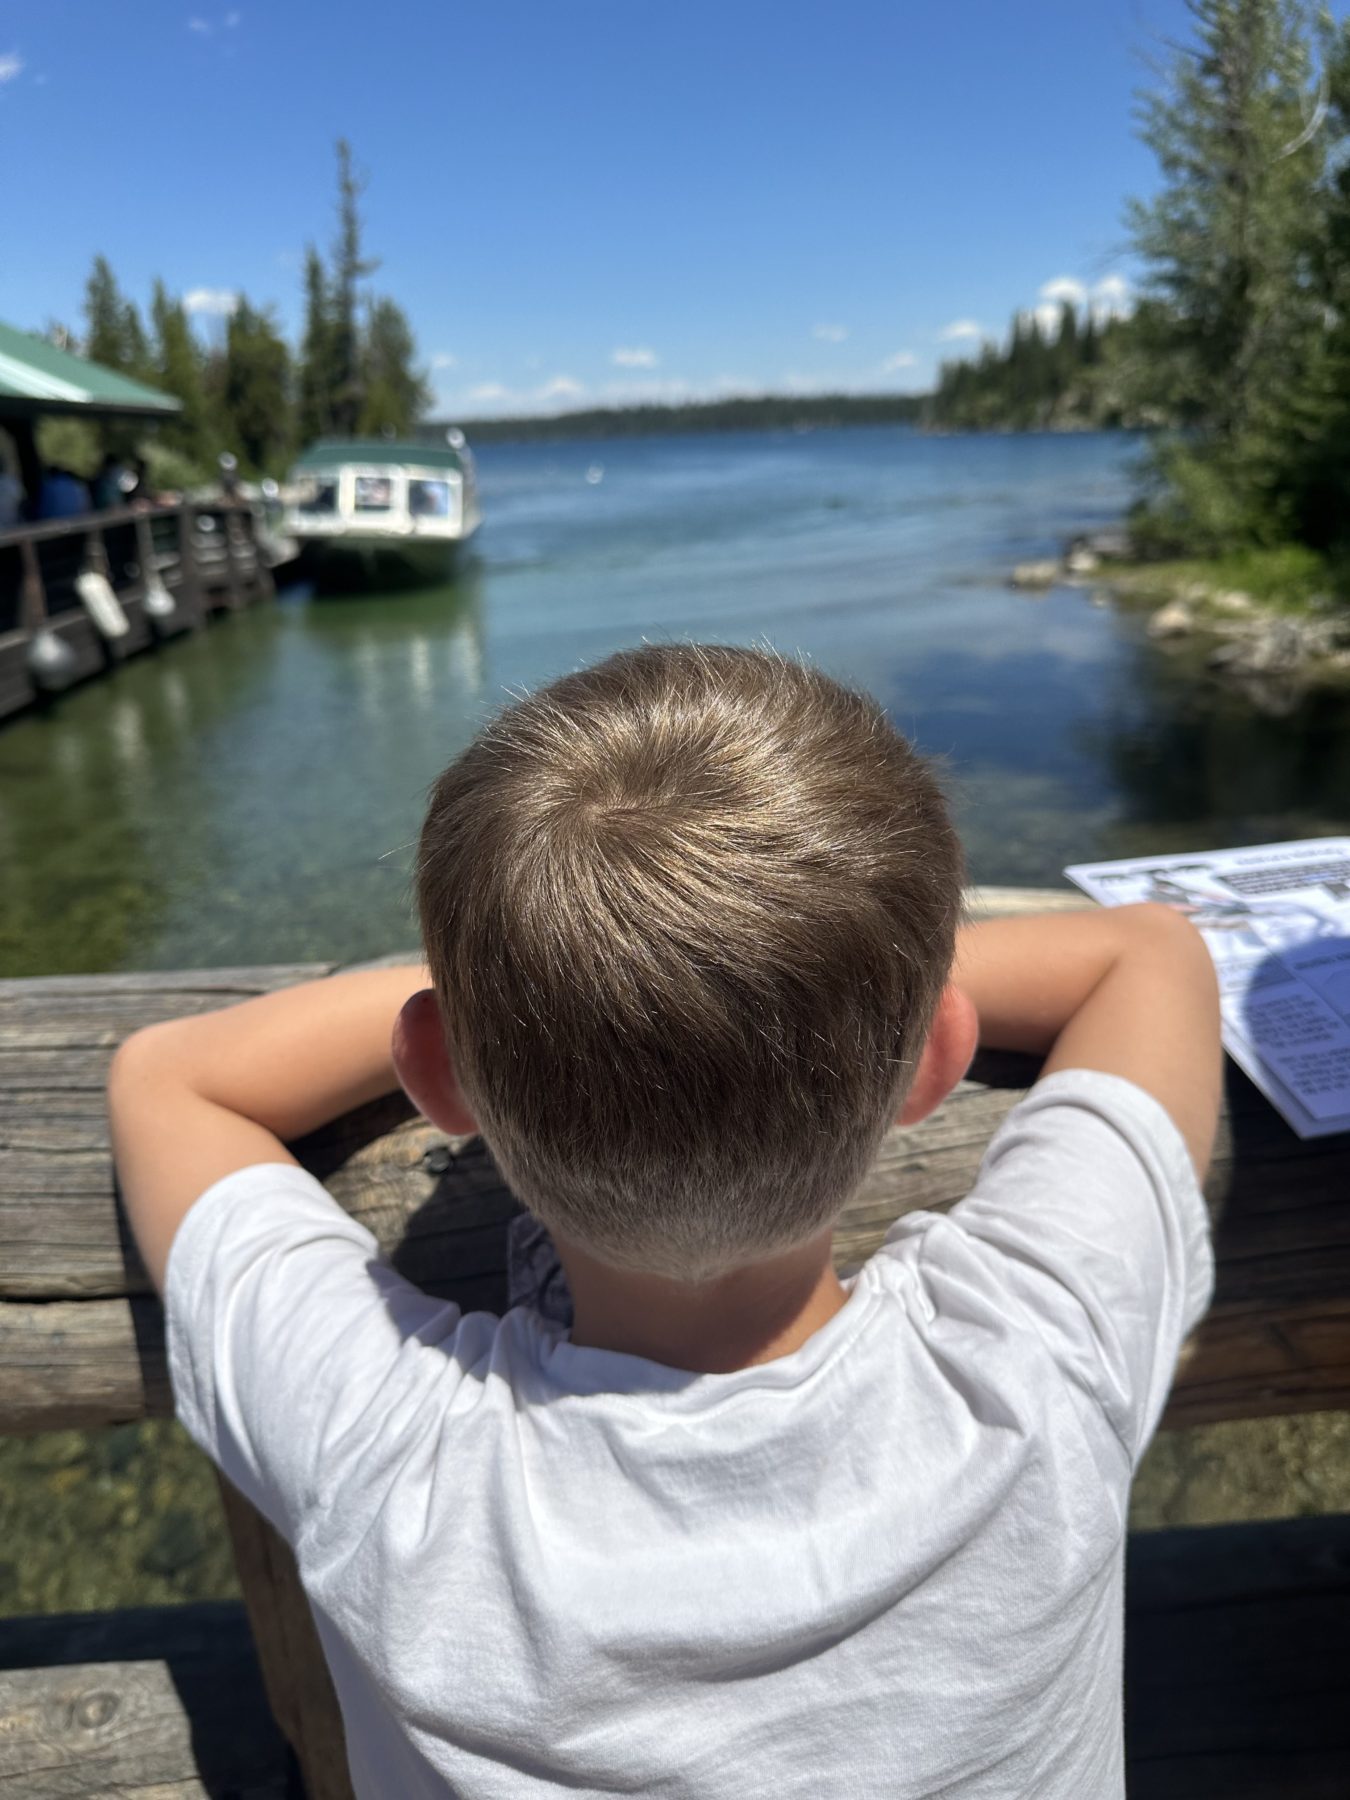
(751, 1316)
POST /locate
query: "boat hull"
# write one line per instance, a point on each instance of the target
(348, 562)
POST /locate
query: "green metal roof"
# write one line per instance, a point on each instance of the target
(36, 377)
(332, 453)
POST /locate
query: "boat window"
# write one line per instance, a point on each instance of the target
(374, 493)
(429, 499)
(318, 496)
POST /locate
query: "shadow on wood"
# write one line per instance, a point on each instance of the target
(1237, 1662)
(159, 1700)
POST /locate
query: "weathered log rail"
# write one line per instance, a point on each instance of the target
(81, 1336)
(80, 1339)
(168, 567)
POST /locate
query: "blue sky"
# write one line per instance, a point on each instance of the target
(590, 201)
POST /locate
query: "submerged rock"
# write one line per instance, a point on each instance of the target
(1042, 574)
(1110, 545)
(1232, 602)
(1173, 620)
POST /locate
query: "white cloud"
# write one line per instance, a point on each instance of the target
(488, 392)
(11, 67)
(830, 334)
(903, 359)
(1111, 298)
(634, 356)
(443, 359)
(217, 303)
(561, 387)
(233, 20)
(200, 26)
(1047, 315)
(959, 330)
(1062, 288)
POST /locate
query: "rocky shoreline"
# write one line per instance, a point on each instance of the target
(1272, 654)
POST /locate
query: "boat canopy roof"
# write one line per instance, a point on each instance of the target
(337, 453)
(37, 378)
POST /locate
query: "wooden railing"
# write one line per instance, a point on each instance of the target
(81, 1338)
(168, 568)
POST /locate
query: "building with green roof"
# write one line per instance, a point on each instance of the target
(37, 379)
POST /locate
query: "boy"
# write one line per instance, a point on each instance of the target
(690, 918)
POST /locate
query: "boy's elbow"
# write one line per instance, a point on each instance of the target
(147, 1057)
(1169, 933)
(1159, 920)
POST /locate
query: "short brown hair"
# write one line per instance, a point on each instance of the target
(688, 914)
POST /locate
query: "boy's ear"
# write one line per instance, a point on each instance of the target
(425, 1071)
(946, 1055)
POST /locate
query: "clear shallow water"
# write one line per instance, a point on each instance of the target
(252, 794)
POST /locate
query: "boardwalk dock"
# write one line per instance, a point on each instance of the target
(78, 596)
(1238, 1637)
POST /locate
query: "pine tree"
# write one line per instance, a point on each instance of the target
(178, 367)
(1228, 242)
(316, 374)
(255, 386)
(114, 334)
(395, 391)
(349, 268)
(1317, 439)
(115, 337)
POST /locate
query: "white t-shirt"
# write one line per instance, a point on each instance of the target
(889, 1564)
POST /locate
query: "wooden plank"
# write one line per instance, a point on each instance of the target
(161, 1703)
(1237, 1662)
(69, 1363)
(101, 1362)
(20, 992)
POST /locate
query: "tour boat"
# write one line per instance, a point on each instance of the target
(381, 507)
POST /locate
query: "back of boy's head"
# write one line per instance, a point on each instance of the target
(689, 914)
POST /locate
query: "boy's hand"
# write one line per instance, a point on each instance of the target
(1129, 990)
(192, 1100)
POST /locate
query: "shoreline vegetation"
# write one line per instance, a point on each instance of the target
(1267, 622)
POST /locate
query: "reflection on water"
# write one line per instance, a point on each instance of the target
(246, 795)
(251, 794)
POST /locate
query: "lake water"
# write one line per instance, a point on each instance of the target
(251, 794)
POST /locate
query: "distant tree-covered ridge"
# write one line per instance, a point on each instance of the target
(763, 412)
(246, 390)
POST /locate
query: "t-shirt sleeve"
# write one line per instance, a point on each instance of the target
(1088, 1216)
(288, 1338)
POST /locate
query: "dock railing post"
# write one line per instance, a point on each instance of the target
(234, 576)
(33, 591)
(190, 575)
(295, 1674)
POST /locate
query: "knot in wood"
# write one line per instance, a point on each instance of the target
(90, 1712)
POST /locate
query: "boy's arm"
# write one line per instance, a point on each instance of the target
(192, 1100)
(1129, 990)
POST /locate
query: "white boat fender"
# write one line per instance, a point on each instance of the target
(101, 603)
(51, 661)
(160, 605)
